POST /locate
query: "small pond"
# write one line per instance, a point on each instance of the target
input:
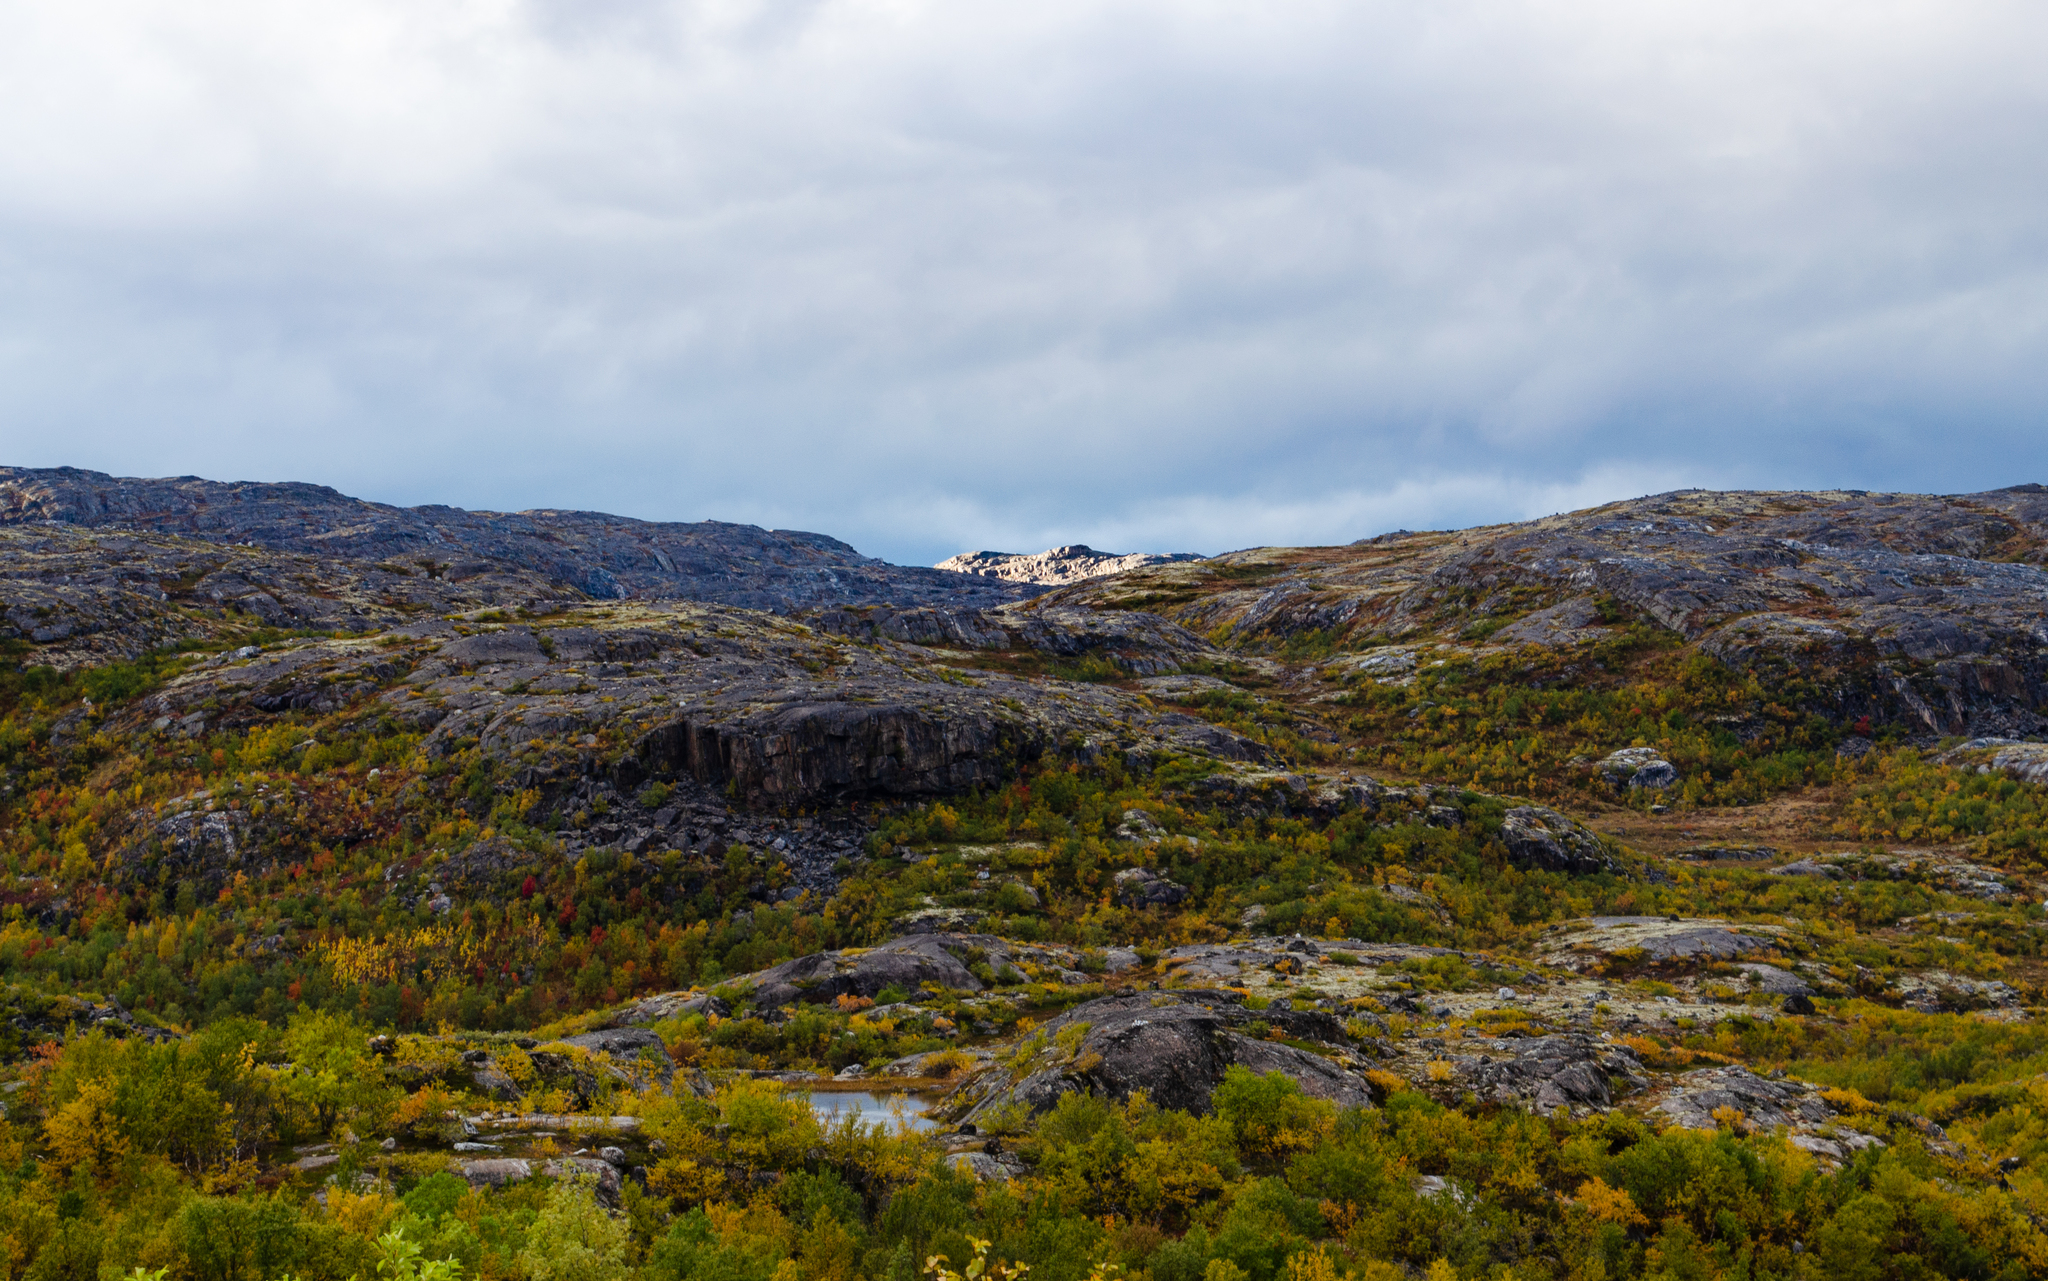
(898, 1110)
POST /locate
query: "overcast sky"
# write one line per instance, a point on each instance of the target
(1147, 274)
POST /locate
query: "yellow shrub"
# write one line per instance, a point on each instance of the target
(361, 1214)
(1609, 1204)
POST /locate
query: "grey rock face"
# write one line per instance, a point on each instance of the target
(2027, 762)
(654, 1009)
(1940, 992)
(1138, 642)
(495, 1172)
(1543, 838)
(1773, 981)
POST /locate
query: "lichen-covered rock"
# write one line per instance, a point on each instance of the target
(1653, 940)
(906, 963)
(1764, 1103)
(1940, 992)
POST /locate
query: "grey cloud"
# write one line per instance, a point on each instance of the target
(929, 277)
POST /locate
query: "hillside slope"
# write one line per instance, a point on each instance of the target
(597, 555)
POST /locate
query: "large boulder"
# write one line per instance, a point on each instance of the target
(906, 963)
(1143, 887)
(1174, 1046)
(1542, 838)
(1655, 940)
(668, 1005)
(1639, 769)
(1550, 1072)
(636, 1053)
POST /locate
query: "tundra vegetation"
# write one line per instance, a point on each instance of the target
(287, 987)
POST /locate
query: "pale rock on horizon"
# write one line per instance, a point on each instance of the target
(1060, 565)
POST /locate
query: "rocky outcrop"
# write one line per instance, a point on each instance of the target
(636, 1053)
(1956, 876)
(731, 699)
(1174, 1046)
(1940, 992)
(83, 597)
(1140, 643)
(499, 1172)
(1061, 565)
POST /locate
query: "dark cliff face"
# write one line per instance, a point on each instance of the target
(596, 555)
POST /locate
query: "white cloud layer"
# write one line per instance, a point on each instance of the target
(1152, 274)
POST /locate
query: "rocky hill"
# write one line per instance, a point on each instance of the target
(1909, 609)
(588, 553)
(1648, 891)
(1061, 565)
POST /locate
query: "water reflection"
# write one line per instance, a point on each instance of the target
(899, 1111)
